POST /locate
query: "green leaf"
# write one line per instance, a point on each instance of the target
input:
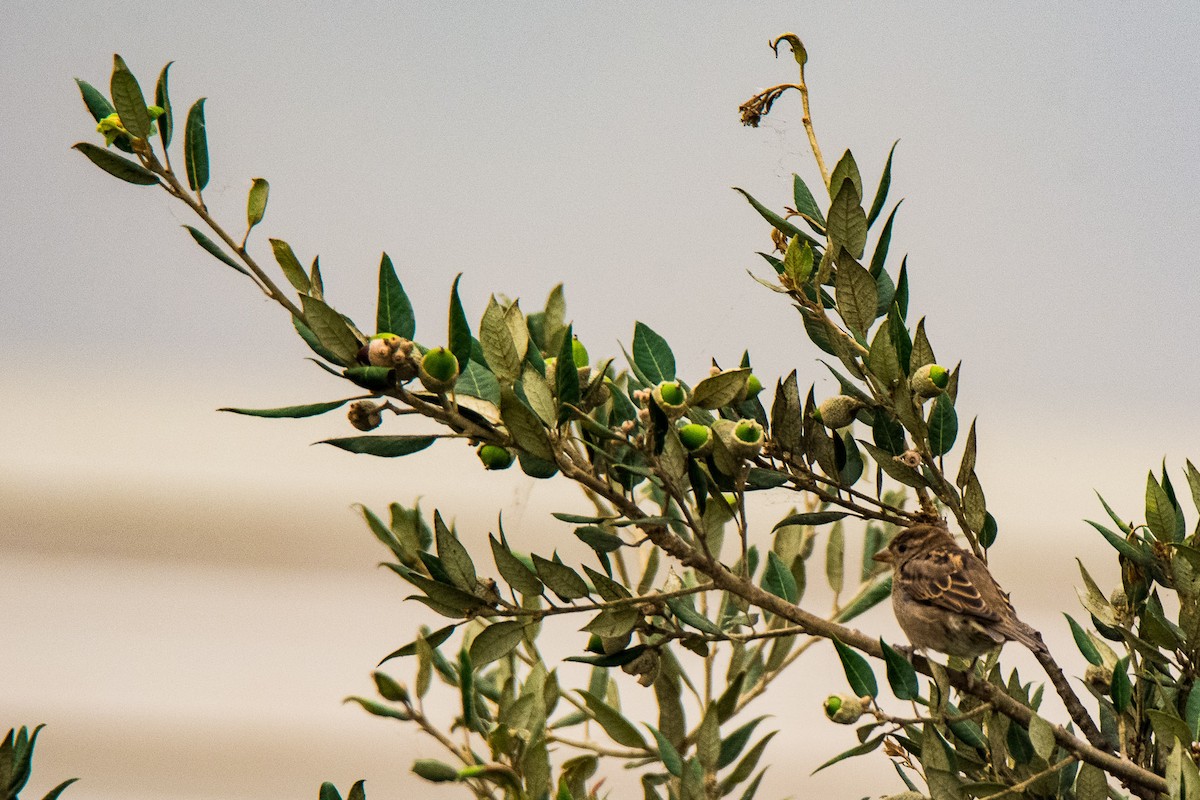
(880, 254)
(721, 389)
(617, 659)
(786, 420)
(708, 739)
(476, 381)
(162, 99)
(1122, 689)
(454, 556)
(524, 426)
(97, 104)
(117, 166)
(566, 377)
(599, 539)
(606, 587)
(290, 412)
(213, 249)
(394, 311)
(779, 223)
(810, 518)
(1091, 783)
(746, 766)
(943, 426)
(858, 671)
(868, 597)
(195, 147)
(331, 330)
(835, 558)
(1160, 512)
(432, 639)
(292, 269)
(778, 579)
(667, 753)
(618, 728)
(856, 296)
(870, 745)
(652, 355)
(804, 201)
(373, 379)
(384, 446)
(328, 792)
(1191, 712)
(559, 578)
(256, 201)
(128, 100)
(846, 169)
(459, 330)
(1041, 735)
(885, 182)
(496, 641)
(682, 609)
(57, 790)
(847, 221)
(498, 346)
(1123, 546)
(922, 352)
(613, 622)
(733, 744)
(1084, 642)
(513, 570)
(900, 674)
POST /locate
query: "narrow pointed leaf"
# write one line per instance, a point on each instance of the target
(290, 412)
(885, 182)
(293, 270)
(559, 578)
(804, 201)
(943, 426)
(847, 221)
(652, 354)
(496, 641)
(214, 250)
(779, 223)
(459, 330)
(129, 101)
(1084, 642)
(331, 329)
(256, 201)
(162, 99)
(778, 579)
(619, 729)
(856, 295)
(393, 310)
(667, 753)
(195, 147)
(117, 166)
(900, 674)
(383, 446)
(97, 104)
(858, 671)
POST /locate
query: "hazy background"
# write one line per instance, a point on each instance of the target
(189, 595)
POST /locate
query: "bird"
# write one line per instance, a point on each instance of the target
(945, 599)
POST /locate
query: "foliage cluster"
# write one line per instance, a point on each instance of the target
(703, 608)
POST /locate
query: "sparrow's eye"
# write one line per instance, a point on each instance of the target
(900, 548)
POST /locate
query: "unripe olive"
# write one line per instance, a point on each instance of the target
(753, 386)
(747, 440)
(844, 709)
(579, 353)
(494, 456)
(696, 438)
(433, 770)
(929, 381)
(838, 411)
(439, 370)
(671, 397)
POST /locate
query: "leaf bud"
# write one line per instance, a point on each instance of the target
(696, 438)
(494, 456)
(838, 411)
(389, 688)
(844, 709)
(671, 397)
(439, 370)
(433, 770)
(365, 415)
(929, 381)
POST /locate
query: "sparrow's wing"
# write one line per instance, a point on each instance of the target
(946, 578)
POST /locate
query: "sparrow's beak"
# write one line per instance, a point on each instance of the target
(884, 556)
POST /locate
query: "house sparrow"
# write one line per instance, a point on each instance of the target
(946, 600)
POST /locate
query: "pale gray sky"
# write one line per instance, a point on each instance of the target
(1049, 161)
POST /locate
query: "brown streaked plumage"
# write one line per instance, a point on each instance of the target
(946, 600)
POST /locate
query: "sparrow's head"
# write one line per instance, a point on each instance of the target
(917, 539)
